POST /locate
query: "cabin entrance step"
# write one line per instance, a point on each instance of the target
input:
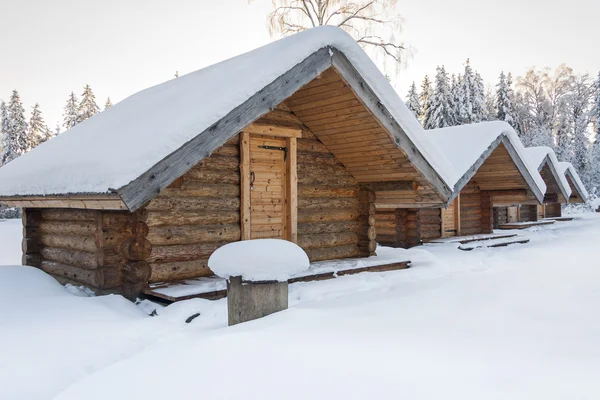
(558, 219)
(492, 243)
(214, 287)
(524, 225)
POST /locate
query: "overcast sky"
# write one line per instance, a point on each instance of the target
(49, 48)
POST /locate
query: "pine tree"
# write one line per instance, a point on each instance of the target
(108, 103)
(88, 107)
(479, 106)
(504, 101)
(467, 88)
(412, 101)
(596, 110)
(425, 99)
(441, 110)
(4, 130)
(38, 131)
(17, 142)
(57, 129)
(71, 112)
(458, 97)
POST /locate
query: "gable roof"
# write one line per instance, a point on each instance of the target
(466, 147)
(544, 155)
(140, 145)
(567, 169)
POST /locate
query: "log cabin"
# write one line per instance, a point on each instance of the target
(578, 192)
(557, 191)
(489, 168)
(294, 140)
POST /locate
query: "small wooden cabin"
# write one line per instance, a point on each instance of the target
(489, 169)
(302, 159)
(557, 190)
(578, 192)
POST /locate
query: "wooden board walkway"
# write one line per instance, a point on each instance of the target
(214, 287)
(492, 243)
(472, 238)
(524, 225)
(559, 219)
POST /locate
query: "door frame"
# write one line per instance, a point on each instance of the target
(291, 180)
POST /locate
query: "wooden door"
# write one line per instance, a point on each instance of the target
(451, 219)
(513, 214)
(267, 187)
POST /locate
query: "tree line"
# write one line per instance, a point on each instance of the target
(559, 109)
(20, 136)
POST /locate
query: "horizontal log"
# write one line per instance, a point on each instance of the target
(219, 162)
(81, 243)
(81, 259)
(136, 271)
(551, 198)
(327, 203)
(332, 253)
(85, 228)
(325, 179)
(228, 150)
(32, 260)
(193, 204)
(312, 146)
(189, 234)
(328, 227)
(505, 192)
(31, 245)
(100, 278)
(327, 240)
(183, 252)
(173, 271)
(393, 186)
(69, 215)
(326, 191)
(200, 189)
(31, 217)
(386, 239)
(326, 215)
(207, 217)
(213, 176)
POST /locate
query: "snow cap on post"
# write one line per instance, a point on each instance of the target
(259, 260)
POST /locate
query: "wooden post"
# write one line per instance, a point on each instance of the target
(292, 190)
(401, 238)
(487, 214)
(247, 301)
(245, 207)
(457, 215)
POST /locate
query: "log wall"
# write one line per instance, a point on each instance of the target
(470, 210)
(333, 222)
(103, 250)
(408, 227)
(195, 215)
(500, 216)
(528, 212)
(553, 210)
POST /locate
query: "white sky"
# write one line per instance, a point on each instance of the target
(50, 48)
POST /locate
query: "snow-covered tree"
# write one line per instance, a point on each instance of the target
(16, 138)
(57, 129)
(38, 131)
(4, 129)
(71, 112)
(505, 101)
(441, 109)
(596, 109)
(108, 103)
(88, 107)
(373, 23)
(425, 99)
(412, 101)
(479, 106)
(458, 98)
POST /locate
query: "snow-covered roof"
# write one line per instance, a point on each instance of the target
(113, 148)
(537, 156)
(568, 168)
(464, 146)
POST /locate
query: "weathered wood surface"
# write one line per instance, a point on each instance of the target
(176, 164)
(525, 225)
(553, 210)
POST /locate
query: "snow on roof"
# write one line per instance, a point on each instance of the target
(463, 145)
(568, 167)
(538, 154)
(259, 260)
(118, 145)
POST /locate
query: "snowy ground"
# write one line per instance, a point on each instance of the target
(507, 323)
